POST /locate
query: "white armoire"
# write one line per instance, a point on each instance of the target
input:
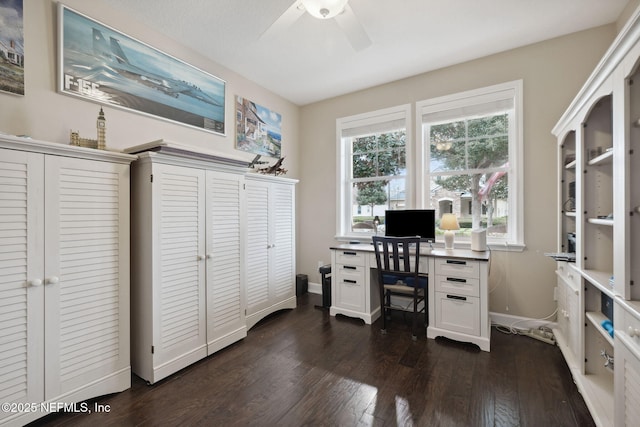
(188, 295)
(64, 276)
(270, 245)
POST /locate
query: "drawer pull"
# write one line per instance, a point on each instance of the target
(455, 279)
(354, 282)
(456, 297)
(349, 267)
(455, 261)
(349, 253)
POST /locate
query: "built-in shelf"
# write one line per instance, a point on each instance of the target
(601, 221)
(603, 158)
(596, 318)
(571, 214)
(599, 279)
(570, 165)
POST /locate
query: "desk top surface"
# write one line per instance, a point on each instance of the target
(436, 252)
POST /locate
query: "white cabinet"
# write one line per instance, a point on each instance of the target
(349, 283)
(270, 246)
(569, 326)
(599, 168)
(459, 308)
(187, 293)
(627, 371)
(64, 274)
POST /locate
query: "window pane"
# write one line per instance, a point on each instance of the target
(488, 152)
(379, 155)
(448, 156)
(372, 199)
(479, 201)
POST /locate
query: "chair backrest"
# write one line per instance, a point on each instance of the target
(397, 256)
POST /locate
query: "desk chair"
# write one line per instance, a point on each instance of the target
(398, 275)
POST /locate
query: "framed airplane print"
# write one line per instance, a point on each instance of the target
(99, 63)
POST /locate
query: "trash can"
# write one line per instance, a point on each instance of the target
(302, 284)
(325, 271)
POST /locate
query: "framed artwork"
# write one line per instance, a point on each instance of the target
(11, 47)
(104, 65)
(258, 129)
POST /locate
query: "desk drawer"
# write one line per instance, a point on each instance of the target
(458, 313)
(350, 273)
(349, 257)
(350, 288)
(460, 268)
(458, 286)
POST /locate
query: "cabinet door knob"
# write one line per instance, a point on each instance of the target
(633, 332)
(52, 280)
(200, 257)
(36, 282)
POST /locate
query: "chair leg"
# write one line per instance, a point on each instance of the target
(383, 310)
(415, 315)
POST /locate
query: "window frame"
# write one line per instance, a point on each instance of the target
(343, 152)
(446, 104)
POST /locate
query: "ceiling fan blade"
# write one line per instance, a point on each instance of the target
(352, 28)
(285, 20)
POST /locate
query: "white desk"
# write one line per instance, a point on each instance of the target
(457, 292)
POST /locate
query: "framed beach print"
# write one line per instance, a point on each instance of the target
(11, 47)
(99, 63)
(258, 129)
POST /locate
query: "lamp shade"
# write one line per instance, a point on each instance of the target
(449, 222)
(324, 9)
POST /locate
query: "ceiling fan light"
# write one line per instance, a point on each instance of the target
(324, 9)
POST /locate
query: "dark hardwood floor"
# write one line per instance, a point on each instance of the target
(304, 367)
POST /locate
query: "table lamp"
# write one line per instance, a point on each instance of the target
(449, 222)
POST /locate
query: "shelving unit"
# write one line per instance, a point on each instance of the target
(601, 131)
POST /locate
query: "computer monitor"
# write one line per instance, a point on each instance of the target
(410, 223)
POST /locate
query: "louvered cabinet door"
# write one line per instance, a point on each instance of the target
(86, 280)
(179, 313)
(283, 249)
(21, 274)
(258, 246)
(225, 234)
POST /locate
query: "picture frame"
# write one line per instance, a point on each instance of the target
(258, 129)
(12, 47)
(101, 64)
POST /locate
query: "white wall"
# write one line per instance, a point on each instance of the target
(552, 71)
(521, 283)
(45, 114)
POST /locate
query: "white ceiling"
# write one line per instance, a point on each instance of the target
(312, 59)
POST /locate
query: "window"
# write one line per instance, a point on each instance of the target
(470, 160)
(372, 160)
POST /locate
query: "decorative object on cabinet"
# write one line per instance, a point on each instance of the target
(102, 64)
(258, 129)
(449, 223)
(12, 48)
(275, 169)
(65, 292)
(101, 130)
(596, 313)
(188, 278)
